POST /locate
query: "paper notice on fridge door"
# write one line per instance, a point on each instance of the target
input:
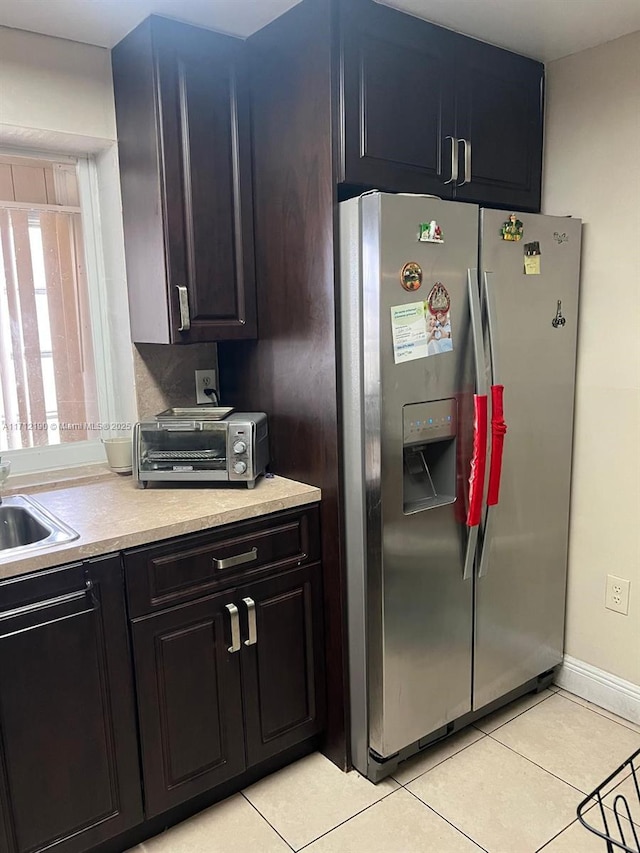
(409, 332)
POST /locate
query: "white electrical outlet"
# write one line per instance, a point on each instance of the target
(617, 595)
(206, 379)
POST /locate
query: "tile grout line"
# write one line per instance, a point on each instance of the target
(539, 766)
(597, 710)
(557, 835)
(342, 822)
(446, 820)
(462, 749)
(526, 711)
(515, 753)
(267, 822)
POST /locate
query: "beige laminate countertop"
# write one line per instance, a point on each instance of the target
(113, 514)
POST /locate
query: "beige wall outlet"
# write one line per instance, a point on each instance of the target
(617, 595)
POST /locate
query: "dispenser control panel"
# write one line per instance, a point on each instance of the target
(432, 421)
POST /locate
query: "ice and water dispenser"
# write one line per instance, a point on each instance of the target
(429, 455)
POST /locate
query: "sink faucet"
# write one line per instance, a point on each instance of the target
(5, 468)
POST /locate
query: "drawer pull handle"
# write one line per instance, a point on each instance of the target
(227, 562)
(235, 628)
(251, 618)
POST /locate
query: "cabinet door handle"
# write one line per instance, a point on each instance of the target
(252, 639)
(467, 162)
(237, 560)
(183, 302)
(454, 160)
(235, 628)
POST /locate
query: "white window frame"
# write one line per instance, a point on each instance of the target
(109, 312)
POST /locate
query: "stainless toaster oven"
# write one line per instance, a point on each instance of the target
(201, 445)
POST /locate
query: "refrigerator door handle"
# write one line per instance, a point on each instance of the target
(454, 160)
(467, 162)
(479, 455)
(498, 431)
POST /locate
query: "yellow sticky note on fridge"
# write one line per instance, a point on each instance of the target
(532, 264)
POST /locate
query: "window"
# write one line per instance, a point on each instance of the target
(52, 345)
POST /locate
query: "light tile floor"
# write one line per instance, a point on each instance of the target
(510, 784)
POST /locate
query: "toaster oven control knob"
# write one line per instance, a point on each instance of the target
(239, 447)
(239, 467)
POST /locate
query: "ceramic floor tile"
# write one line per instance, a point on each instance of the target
(617, 828)
(575, 839)
(554, 688)
(312, 796)
(502, 801)
(419, 764)
(629, 789)
(232, 826)
(608, 714)
(398, 824)
(570, 741)
(509, 712)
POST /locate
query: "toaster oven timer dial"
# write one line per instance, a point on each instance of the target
(238, 448)
(239, 467)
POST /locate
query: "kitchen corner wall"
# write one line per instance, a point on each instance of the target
(592, 170)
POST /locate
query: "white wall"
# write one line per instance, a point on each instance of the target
(50, 84)
(592, 170)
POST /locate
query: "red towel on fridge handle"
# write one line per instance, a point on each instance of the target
(478, 459)
(498, 430)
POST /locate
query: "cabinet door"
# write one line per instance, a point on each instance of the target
(189, 701)
(69, 773)
(206, 165)
(500, 100)
(397, 101)
(282, 661)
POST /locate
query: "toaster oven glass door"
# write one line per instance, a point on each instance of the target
(184, 449)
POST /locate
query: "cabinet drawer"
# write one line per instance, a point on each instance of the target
(183, 569)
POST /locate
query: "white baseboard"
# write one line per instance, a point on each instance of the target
(602, 688)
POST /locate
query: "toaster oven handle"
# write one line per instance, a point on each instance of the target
(237, 560)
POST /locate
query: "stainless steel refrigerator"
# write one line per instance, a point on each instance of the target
(458, 348)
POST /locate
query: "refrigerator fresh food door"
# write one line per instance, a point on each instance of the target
(532, 324)
(408, 441)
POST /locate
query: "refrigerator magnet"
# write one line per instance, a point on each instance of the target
(513, 229)
(430, 232)
(439, 320)
(558, 321)
(411, 276)
(532, 258)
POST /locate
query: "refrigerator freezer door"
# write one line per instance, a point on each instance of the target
(412, 598)
(520, 597)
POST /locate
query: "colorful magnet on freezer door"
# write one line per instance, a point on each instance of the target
(512, 229)
(430, 232)
(411, 276)
(439, 338)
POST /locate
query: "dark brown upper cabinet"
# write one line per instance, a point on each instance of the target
(426, 110)
(69, 776)
(183, 117)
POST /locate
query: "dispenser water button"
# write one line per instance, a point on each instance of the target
(239, 467)
(238, 448)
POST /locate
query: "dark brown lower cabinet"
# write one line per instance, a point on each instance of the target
(69, 775)
(189, 701)
(227, 681)
(282, 663)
